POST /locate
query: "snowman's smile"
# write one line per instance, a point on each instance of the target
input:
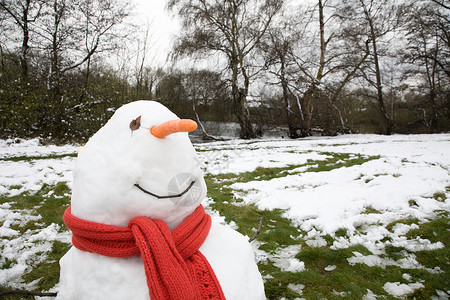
(166, 196)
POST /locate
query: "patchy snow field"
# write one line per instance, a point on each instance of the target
(409, 168)
(398, 180)
(404, 178)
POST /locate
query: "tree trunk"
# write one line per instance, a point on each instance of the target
(293, 127)
(385, 121)
(25, 48)
(294, 130)
(308, 97)
(431, 75)
(307, 108)
(239, 103)
(241, 113)
(86, 81)
(55, 93)
(2, 57)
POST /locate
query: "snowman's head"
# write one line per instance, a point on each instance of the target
(140, 163)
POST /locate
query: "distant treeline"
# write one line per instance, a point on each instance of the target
(318, 67)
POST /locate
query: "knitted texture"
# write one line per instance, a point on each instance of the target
(174, 266)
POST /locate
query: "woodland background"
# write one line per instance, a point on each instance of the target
(309, 67)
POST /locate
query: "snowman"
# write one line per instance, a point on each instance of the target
(139, 229)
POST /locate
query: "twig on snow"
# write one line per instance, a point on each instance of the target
(28, 293)
(257, 231)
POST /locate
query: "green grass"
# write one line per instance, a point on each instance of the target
(409, 221)
(440, 196)
(370, 210)
(357, 279)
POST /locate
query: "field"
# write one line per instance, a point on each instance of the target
(348, 217)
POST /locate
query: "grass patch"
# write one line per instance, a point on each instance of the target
(333, 161)
(441, 197)
(317, 259)
(341, 232)
(370, 210)
(47, 272)
(438, 260)
(259, 173)
(15, 187)
(344, 282)
(395, 253)
(436, 230)
(52, 208)
(339, 160)
(410, 221)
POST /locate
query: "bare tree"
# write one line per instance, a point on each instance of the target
(233, 28)
(72, 32)
(144, 75)
(23, 13)
(306, 61)
(374, 22)
(428, 54)
(442, 3)
(277, 50)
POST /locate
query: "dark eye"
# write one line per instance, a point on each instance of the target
(135, 124)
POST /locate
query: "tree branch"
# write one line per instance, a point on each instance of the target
(257, 231)
(28, 293)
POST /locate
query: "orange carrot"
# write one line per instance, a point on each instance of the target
(173, 126)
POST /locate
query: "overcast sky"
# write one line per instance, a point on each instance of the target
(162, 28)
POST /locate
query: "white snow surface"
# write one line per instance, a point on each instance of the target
(398, 289)
(399, 180)
(32, 168)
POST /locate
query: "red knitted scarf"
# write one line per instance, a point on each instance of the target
(174, 266)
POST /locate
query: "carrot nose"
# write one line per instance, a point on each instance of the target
(173, 126)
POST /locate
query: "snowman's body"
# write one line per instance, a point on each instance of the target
(91, 276)
(108, 169)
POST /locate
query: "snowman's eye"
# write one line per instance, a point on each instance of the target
(135, 124)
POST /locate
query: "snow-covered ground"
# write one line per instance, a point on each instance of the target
(22, 175)
(18, 174)
(398, 181)
(410, 168)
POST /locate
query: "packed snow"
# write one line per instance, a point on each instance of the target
(399, 180)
